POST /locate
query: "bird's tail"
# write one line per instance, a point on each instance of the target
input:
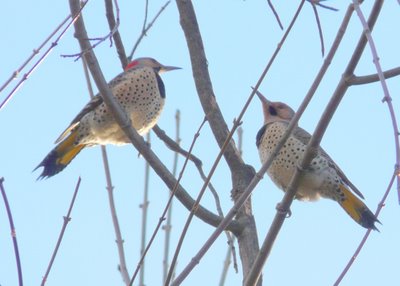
(60, 156)
(357, 209)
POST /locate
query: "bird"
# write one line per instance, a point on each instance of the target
(322, 179)
(140, 92)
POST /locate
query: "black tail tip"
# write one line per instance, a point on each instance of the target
(368, 220)
(50, 166)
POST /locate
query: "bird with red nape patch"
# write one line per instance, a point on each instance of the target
(140, 92)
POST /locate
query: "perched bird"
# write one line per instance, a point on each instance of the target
(323, 178)
(141, 93)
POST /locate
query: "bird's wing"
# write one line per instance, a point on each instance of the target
(304, 137)
(93, 103)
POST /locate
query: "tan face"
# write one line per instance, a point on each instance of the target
(275, 111)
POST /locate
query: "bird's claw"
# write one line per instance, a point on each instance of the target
(282, 210)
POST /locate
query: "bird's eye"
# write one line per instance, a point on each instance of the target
(272, 111)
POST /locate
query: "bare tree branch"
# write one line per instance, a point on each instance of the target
(98, 40)
(271, 6)
(198, 163)
(387, 98)
(41, 59)
(309, 154)
(146, 12)
(174, 146)
(162, 218)
(364, 239)
(167, 227)
(318, 3)
(145, 30)
(125, 125)
(13, 232)
(203, 83)
(321, 35)
(67, 218)
(116, 36)
(357, 80)
(36, 51)
(144, 206)
(231, 243)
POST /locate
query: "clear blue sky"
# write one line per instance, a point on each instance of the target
(239, 37)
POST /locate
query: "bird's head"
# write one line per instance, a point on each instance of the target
(151, 63)
(275, 111)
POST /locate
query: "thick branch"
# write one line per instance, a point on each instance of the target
(203, 82)
(124, 122)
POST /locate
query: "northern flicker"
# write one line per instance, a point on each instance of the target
(323, 178)
(141, 93)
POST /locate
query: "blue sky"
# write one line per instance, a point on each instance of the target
(239, 38)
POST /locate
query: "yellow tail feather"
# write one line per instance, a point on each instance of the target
(60, 156)
(67, 150)
(357, 209)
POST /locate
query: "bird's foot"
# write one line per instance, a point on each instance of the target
(282, 210)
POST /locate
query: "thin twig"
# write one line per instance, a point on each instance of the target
(144, 206)
(226, 264)
(196, 204)
(321, 35)
(13, 232)
(174, 146)
(146, 13)
(381, 76)
(112, 23)
(318, 3)
(231, 243)
(144, 31)
(67, 219)
(244, 196)
(98, 40)
(113, 211)
(167, 227)
(110, 192)
(271, 6)
(43, 57)
(387, 98)
(367, 233)
(162, 218)
(309, 154)
(36, 51)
